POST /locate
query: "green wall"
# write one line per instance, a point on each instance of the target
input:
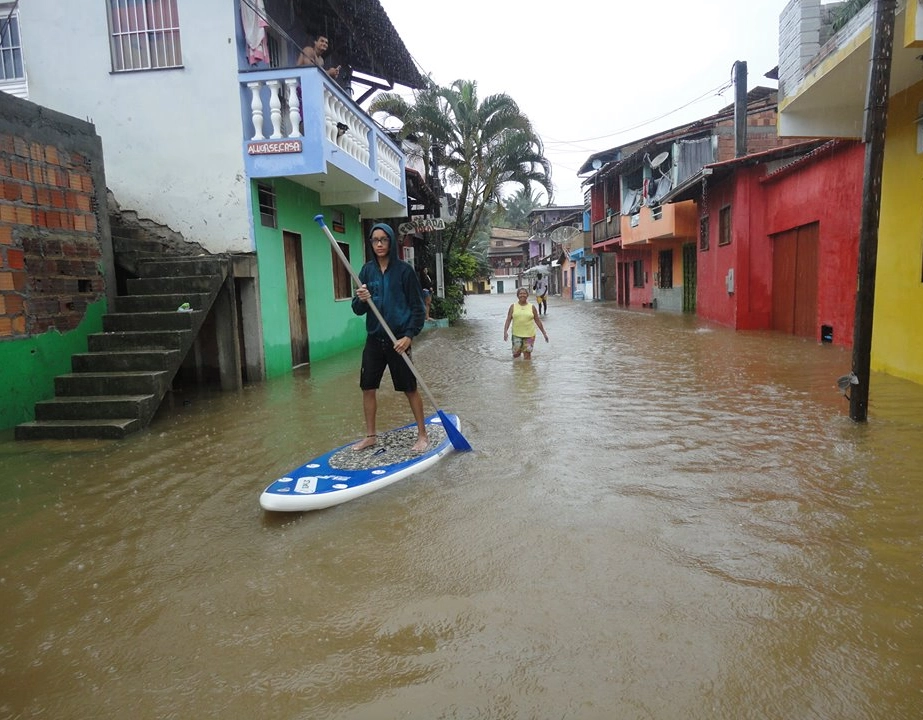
(30, 365)
(332, 326)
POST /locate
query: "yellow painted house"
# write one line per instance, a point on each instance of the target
(823, 83)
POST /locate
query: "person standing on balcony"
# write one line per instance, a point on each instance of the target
(394, 288)
(541, 294)
(313, 55)
(523, 316)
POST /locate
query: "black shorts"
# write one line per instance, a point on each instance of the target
(376, 356)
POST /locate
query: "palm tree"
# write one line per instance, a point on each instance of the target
(479, 147)
(519, 206)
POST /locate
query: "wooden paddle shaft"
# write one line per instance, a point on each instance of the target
(336, 248)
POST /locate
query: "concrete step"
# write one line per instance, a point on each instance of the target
(125, 360)
(112, 429)
(139, 340)
(162, 320)
(173, 285)
(183, 266)
(160, 302)
(131, 240)
(141, 382)
(98, 407)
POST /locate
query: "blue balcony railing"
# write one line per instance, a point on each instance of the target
(298, 123)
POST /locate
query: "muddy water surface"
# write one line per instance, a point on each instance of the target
(661, 519)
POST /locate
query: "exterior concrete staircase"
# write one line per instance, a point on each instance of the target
(117, 386)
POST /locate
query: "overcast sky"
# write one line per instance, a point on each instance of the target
(592, 74)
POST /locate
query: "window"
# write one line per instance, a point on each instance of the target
(266, 196)
(10, 45)
(637, 268)
(144, 34)
(665, 273)
(724, 226)
(703, 233)
(342, 280)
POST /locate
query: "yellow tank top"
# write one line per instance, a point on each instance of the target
(523, 320)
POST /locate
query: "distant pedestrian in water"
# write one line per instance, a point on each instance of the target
(523, 316)
(541, 293)
(427, 284)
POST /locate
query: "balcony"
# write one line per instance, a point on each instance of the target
(320, 138)
(673, 221)
(826, 96)
(608, 229)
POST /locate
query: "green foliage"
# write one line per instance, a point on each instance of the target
(452, 306)
(846, 12)
(518, 207)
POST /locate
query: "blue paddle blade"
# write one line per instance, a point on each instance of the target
(455, 437)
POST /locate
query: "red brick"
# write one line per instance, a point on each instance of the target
(6, 327)
(6, 281)
(19, 170)
(57, 199)
(3, 305)
(84, 203)
(12, 191)
(14, 259)
(6, 143)
(19, 280)
(20, 147)
(14, 304)
(51, 155)
(24, 216)
(7, 213)
(6, 235)
(19, 325)
(43, 197)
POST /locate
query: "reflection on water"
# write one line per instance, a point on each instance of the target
(660, 519)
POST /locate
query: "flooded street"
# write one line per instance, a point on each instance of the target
(660, 519)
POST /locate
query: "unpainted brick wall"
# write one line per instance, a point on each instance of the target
(51, 245)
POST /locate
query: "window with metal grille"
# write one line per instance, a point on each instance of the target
(10, 45)
(703, 233)
(144, 34)
(266, 197)
(665, 271)
(342, 285)
(724, 225)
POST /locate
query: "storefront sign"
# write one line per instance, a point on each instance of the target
(421, 225)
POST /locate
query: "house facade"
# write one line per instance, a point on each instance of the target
(209, 127)
(507, 257)
(823, 87)
(778, 242)
(653, 240)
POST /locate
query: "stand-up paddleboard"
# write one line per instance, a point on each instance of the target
(345, 474)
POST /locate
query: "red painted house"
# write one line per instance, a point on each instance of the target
(778, 239)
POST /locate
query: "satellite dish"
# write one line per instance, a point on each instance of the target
(597, 163)
(659, 159)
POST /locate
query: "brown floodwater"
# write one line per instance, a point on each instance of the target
(660, 519)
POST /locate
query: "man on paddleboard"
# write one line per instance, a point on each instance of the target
(395, 289)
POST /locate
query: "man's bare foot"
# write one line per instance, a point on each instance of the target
(366, 442)
(421, 444)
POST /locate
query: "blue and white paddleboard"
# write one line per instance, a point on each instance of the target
(345, 474)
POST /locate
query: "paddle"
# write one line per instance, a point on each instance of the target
(455, 437)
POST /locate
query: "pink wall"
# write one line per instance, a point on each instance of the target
(826, 189)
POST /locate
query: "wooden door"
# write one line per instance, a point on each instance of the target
(794, 281)
(297, 312)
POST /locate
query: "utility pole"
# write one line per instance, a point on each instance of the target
(740, 108)
(438, 191)
(876, 121)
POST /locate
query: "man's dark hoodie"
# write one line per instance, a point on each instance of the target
(396, 292)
